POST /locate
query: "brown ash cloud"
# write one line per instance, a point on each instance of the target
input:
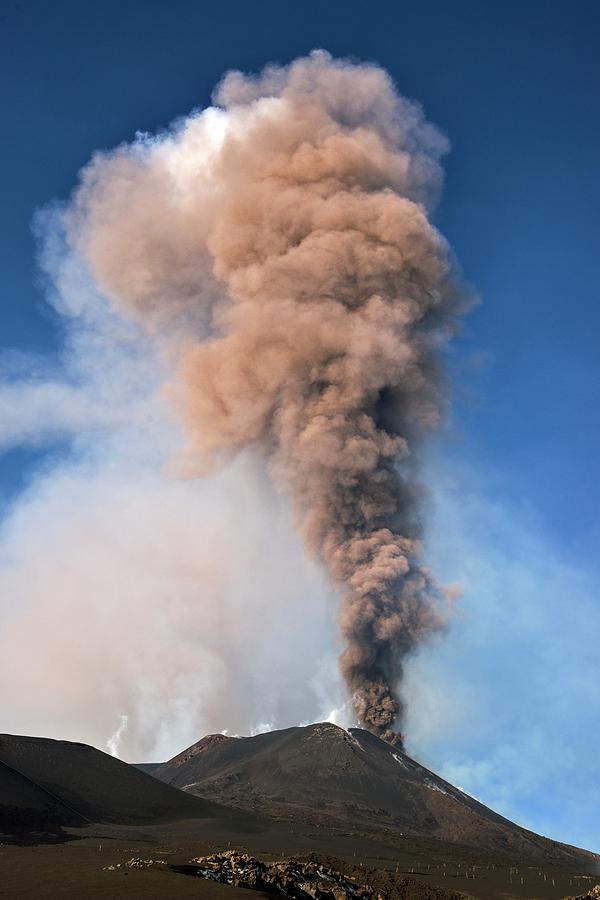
(280, 246)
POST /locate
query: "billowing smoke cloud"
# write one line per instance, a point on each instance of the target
(280, 244)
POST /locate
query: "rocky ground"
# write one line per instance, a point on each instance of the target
(593, 894)
(163, 862)
(305, 879)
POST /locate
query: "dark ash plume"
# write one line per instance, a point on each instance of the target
(281, 243)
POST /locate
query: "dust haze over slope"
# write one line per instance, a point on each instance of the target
(279, 246)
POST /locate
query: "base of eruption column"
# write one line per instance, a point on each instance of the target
(393, 737)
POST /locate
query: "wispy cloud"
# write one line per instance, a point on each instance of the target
(505, 704)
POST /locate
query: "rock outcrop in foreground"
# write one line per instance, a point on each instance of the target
(593, 894)
(307, 877)
(289, 877)
(311, 878)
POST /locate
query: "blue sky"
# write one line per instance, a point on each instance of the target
(515, 87)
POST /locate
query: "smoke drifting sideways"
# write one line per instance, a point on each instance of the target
(278, 244)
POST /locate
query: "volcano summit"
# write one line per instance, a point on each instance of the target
(324, 775)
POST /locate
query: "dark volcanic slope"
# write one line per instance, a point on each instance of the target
(148, 768)
(46, 785)
(26, 807)
(322, 773)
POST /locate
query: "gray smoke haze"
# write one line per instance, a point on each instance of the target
(278, 246)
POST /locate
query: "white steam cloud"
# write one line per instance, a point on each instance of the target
(122, 590)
